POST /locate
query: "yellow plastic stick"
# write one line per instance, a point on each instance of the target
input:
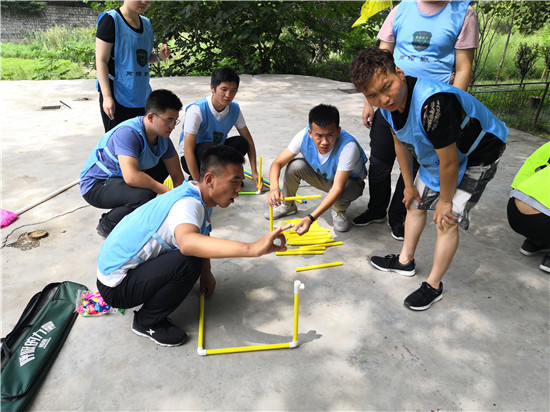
(312, 247)
(333, 244)
(324, 265)
(299, 252)
(247, 348)
(270, 218)
(296, 305)
(288, 199)
(309, 242)
(260, 174)
(201, 321)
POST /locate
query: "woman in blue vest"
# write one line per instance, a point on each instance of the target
(155, 255)
(124, 45)
(458, 143)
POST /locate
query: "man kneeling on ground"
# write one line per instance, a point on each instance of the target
(155, 255)
(333, 162)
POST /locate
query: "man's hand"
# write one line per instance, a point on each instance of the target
(443, 213)
(207, 283)
(410, 194)
(267, 243)
(368, 114)
(255, 178)
(303, 226)
(275, 197)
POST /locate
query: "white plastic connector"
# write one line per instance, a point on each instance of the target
(258, 192)
(298, 286)
(293, 344)
(201, 351)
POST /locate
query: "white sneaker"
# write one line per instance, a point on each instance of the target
(340, 221)
(282, 210)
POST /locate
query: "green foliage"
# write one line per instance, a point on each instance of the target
(24, 69)
(526, 56)
(23, 7)
(257, 37)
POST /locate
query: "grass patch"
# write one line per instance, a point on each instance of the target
(14, 68)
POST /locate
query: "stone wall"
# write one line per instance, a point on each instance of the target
(15, 25)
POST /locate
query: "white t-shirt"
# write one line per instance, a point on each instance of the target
(349, 160)
(193, 119)
(186, 210)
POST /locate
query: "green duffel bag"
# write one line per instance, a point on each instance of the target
(30, 349)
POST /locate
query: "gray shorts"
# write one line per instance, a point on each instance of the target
(467, 193)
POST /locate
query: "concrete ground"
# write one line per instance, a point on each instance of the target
(485, 346)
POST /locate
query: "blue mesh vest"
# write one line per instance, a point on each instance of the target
(430, 51)
(132, 51)
(135, 229)
(328, 169)
(413, 133)
(147, 159)
(212, 130)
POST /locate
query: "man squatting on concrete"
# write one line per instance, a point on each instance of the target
(208, 122)
(333, 161)
(128, 165)
(155, 255)
(457, 142)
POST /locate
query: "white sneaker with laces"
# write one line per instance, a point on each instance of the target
(282, 210)
(340, 221)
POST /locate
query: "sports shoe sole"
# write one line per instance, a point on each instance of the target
(401, 238)
(369, 222)
(545, 268)
(407, 273)
(292, 212)
(156, 341)
(424, 307)
(538, 252)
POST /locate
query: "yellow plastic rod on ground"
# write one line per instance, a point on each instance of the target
(247, 348)
(299, 252)
(289, 198)
(324, 265)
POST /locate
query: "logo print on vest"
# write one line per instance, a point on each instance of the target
(141, 57)
(421, 40)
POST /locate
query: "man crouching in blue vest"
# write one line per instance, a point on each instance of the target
(155, 254)
(333, 161)
(457, 142)
(128, 165)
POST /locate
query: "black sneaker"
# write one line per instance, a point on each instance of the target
(545, 264)
(424, 296)
(164, 333)
(397, 230)
(390, 263)
(530, 248)
(366, 218)
(101, 231)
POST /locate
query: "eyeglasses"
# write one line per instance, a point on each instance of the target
(171, 122)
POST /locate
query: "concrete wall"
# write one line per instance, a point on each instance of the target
(15, 25)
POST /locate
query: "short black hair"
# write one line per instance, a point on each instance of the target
(224, 74)
(324, 115)
(369, 62)
(216, 159)
(161, 100)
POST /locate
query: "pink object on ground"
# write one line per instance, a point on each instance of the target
(7, 217)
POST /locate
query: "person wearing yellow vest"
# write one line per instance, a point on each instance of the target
(529, 205)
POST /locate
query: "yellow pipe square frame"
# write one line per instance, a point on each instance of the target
(203, 352)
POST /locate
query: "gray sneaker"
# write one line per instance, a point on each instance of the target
(340, 221)
(282, 210)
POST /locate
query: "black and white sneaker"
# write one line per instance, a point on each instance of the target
(530, 248)
(163, 333)
(424, 296)
(390, 263)
(397, 230)
(366, 218)
(545, 264)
